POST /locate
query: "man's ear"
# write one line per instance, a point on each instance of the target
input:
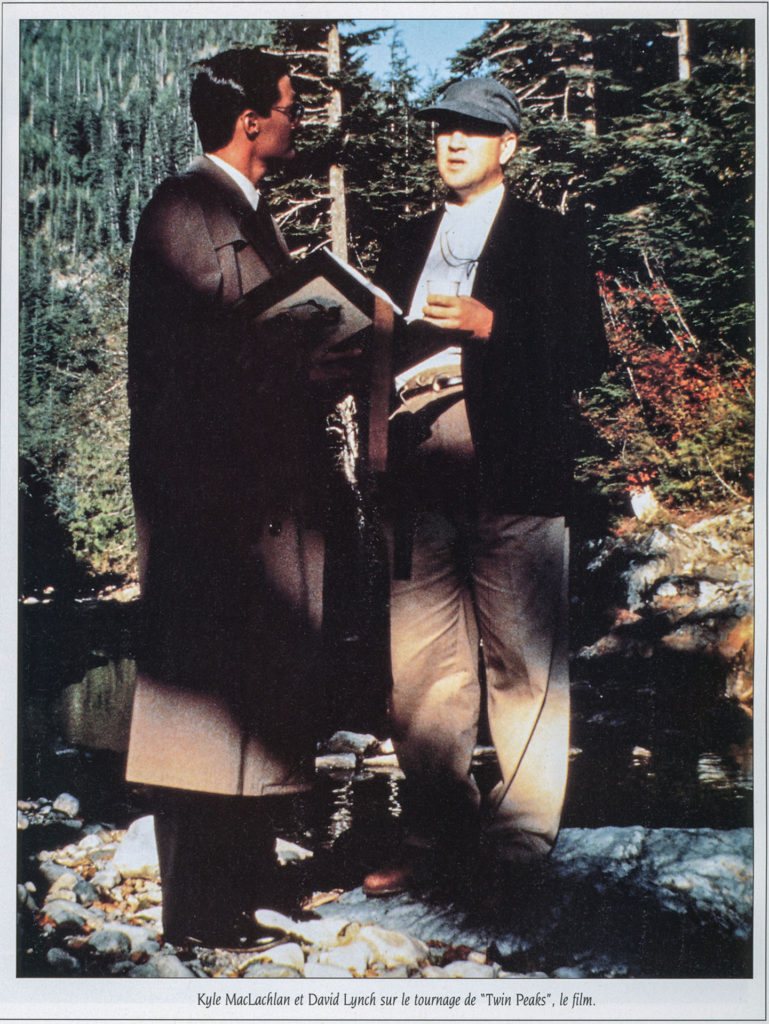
(509, 146)
(250, 121)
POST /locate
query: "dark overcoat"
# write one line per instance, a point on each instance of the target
(547, 341)
(221, 451)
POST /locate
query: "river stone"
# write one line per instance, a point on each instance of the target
(354, 957)
(162, 966)
(89, 843)
(62, 961)
(288, 954)
(313, 969)
(269, 970)
(106, 879)
(317, 933)
(288, 852)
(392, 949)
(67, 804)
(50, 870)
(65, 882)
(336, 762)
(137, 855)
(22, 821)
(110, 943)
(140, 938)
(461, 969)
(86, 893)
(69, 916)
(344, 742)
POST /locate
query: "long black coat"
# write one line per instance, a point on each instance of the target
(547, 342)
(221, 450)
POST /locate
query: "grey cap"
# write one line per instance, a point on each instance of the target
(481, 98)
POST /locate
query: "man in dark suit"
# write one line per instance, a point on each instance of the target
(504, 326)
(223, 442)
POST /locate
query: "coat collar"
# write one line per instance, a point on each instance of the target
(235, 222)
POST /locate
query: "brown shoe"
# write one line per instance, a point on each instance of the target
(414, 866)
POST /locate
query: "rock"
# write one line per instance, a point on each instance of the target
(568, 972)
(50, 870)
(393, 949)
(461, 969)
(109, 943)
(288, 852)
(61, 961)
(162, 966)
(336, 762)
(288, 954)
(22, 821)
(140, 938)
(86, 893)
(344, 742)
(65, 882)
(106, 879)
(137, 856)
(68, 916)
(89, 843)
(67, 804)
(313, 969)
(25, 898)
(268, 970)
(354, 957)
(321, 933)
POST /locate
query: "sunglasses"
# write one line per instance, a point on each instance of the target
(293, 113)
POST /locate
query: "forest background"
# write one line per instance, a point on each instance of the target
(649, 125)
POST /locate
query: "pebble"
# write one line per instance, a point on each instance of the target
(62, 961)
(393, 949)
(288, 954)
(106, 879)
(462, 969)
(85, 893)
(268, 970)
(69, 916)
(353, 958)
(318, 933)
(162, 966)
(344, 742)
(67, 804)
(137, 856)
(336, 762)
(110, 943)
(313, 969)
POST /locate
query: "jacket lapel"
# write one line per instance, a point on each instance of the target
(236, 223)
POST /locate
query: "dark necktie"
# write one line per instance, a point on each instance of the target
(260, 229)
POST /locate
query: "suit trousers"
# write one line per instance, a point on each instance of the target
(500, 579)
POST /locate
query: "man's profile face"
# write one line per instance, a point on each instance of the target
(471, 155)
(275, 140)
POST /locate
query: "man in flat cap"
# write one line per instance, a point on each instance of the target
(501, 301)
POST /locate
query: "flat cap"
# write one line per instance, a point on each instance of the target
(482, 98)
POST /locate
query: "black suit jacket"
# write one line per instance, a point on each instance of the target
(547, 341)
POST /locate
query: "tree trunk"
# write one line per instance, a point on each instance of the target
(684, 59)
(335, 172)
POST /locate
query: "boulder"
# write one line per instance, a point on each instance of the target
(137, 856)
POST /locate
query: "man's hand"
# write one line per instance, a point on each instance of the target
(459, 313)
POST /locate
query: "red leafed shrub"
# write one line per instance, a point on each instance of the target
(667, 415)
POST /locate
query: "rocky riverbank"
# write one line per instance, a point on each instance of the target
(612, 902)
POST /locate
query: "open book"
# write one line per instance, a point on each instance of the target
(324, 279)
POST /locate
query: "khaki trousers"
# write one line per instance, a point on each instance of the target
(503, 579)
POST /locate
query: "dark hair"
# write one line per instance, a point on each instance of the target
(229, 83)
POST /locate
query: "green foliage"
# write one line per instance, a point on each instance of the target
(663, 165)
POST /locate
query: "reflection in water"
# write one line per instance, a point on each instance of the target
(732, 772)
(341, 817)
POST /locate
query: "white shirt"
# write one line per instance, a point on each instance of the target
(453, 258)
(248, 189)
